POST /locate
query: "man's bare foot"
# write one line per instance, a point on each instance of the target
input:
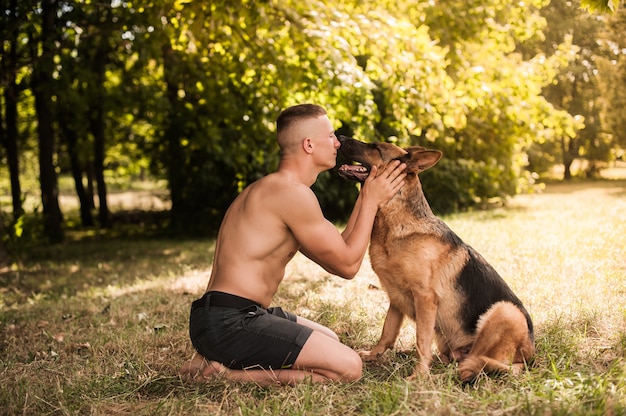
(194, 367)
(199, 367)
(213, 369)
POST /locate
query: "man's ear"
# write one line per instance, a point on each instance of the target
(307, 145)
(419, 159)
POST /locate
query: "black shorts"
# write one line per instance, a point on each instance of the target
(240, 334)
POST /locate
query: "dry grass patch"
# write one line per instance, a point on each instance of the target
(100, 326)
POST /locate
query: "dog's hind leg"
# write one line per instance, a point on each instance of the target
(502, 343)
(391, 330)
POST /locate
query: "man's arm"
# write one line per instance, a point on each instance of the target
(321, 241)
(353, 216)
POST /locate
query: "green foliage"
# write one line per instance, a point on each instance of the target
(613, 85)
(583, 87)
(219, 133)
(22, 235)
(603, 6)
(456, 185)
(378, 72)
(190, 90)
(336, 195)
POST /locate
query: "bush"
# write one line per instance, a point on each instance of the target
(457, 185)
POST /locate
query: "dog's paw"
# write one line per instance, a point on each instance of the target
(467, 375)
(469, 369)
(516, 369)
(372, 355)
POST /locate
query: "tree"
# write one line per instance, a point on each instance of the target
(192, 90)
(575, 88)
(92, 102)
(70, 136)
(613, 76)
(98, 63)
(88, 54)
(8, 123)
(495, 109)
(4, 252)
(229, 68)
(42, 86)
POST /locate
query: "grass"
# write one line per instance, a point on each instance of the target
(99, 326)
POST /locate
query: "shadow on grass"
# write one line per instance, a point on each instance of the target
(76, 265)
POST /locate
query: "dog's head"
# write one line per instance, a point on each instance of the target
(380, 154)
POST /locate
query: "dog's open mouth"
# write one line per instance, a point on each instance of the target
(354, 172)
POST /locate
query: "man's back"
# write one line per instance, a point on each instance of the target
(254, 243)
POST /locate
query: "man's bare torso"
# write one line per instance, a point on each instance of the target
(254, 244)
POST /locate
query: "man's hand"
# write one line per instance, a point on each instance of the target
(380, 188)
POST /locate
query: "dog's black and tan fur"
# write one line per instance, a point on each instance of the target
(430, 275)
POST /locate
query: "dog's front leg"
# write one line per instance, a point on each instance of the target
(391, 329)
(425, 318)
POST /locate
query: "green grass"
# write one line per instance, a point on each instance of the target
(99, 326)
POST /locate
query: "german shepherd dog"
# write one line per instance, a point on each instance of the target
(454, 296)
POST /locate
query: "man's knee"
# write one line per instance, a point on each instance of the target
(353, 369)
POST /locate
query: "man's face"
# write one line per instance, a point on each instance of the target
(322, 135)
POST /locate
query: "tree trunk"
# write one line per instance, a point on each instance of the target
(4, 252)
(42, 89)
(175, 159)
(10, 135)
(569, 148)
(97, 126)
(90, 180)
(77, 171)
(567, 172)
(97, 129)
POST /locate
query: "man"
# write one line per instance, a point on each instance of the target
(236, 334)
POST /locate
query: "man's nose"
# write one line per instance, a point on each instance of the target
(342, 139)
(337, 142)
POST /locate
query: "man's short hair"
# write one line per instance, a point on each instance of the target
(288, 117)
(296, 113)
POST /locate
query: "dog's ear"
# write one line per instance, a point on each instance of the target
(419, 158)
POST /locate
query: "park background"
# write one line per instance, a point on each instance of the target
(127, 127)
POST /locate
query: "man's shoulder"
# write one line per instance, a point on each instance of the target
(275, 183)
(280, 195)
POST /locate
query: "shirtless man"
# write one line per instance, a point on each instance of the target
(236, 334)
